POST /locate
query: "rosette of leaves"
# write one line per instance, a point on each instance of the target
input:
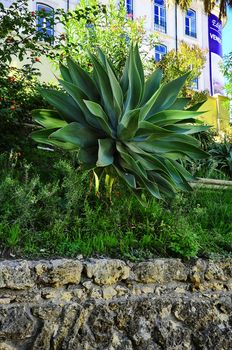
(127, 126)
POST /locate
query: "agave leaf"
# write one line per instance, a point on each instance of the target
(146, 163)
(175, 137)
(164, 97)
(42, 136)
(152, 84)
(116, 90)
(154, 159)
(177, 175)
(79, 97)
(146, 128)
(165, 184)
(104, 60)
(124, 82)
(135, 89)
(98, 112)
(65, 73)
(168, 117)
(180, 103)
(82, 80)
(105, 152)
(76, 134)
(130, 163)
(88, 155)
(186, 175)
(128, 125)
(48, 118)
(176, 147)
(139, 66)
(151, 187)
(186, 129)
(104, 88)
(64, 104)
(127, 177)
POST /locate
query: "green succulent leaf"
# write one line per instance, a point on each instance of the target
(76, 134)
(88, 156)
(147, 128)
(105, 152)
(65, 73)
(103, 119)
(78, 96)
(124, 81)
(48, 118)
(172, 117)
(127, 177)
(116, 89)
(60, 101)
(135, 88)
(180, 103)
(164, 97)
(82, 80)
(129, 124)
(152, 84)
(43, 136)
(104, 88)
(186, 129)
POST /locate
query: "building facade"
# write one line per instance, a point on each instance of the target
(173, 26)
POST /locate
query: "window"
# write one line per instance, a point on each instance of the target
(195, 84)
(129, 8)
(45, 17)
(160, 52)
(160, 16)
(190, 23)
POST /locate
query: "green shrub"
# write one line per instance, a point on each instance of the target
(123, 127)
(61, 216)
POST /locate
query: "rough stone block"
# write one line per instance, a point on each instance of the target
(160, 271)
(15, 274)
(107, 271)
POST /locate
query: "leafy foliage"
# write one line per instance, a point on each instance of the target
(20, 51)
(126, 126)
(92, 25)
(19, 36)
(209, 5)
(178, 63)
(55, 213)
(221, 155)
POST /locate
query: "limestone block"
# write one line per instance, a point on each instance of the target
(160, 271)
(59, 272)
(107, 271)
(16, 322)
(109, 292)
(15, 274)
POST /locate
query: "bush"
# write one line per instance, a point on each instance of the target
(61, 216)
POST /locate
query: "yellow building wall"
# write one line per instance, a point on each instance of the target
(217, 113)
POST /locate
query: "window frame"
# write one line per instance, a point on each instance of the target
(130, 8)
(195, 84)
(192, 32)
(160, 53)
(158, 25)
(52, 10)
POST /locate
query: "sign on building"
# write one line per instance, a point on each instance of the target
(215, 55)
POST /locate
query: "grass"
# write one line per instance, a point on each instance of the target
(57, 214)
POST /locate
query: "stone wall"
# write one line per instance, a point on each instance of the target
(108, 304)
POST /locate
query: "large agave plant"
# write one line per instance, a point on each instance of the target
(124, 125)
